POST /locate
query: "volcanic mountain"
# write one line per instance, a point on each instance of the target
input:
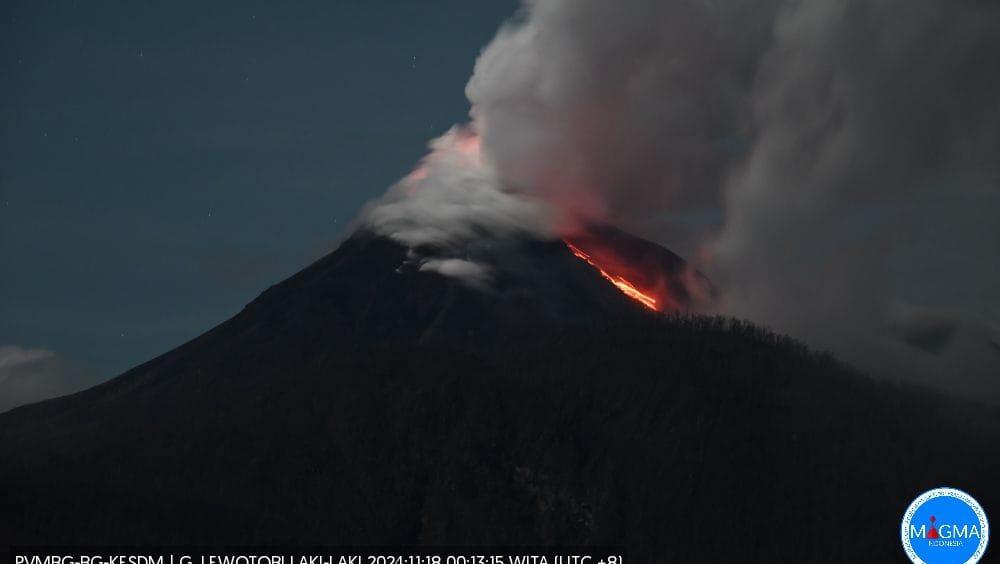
(368, 401)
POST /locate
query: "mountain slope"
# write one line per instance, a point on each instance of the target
(363, 401)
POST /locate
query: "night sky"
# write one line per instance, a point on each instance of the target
(163, 163)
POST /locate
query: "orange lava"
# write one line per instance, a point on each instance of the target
(622, 284)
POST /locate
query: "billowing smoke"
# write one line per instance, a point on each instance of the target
(862, 217)
(833, 166)
(620, 110)
(452, 203)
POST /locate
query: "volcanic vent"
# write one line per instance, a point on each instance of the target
(459, 218)
(370, 400)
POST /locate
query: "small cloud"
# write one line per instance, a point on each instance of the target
(472, 273)
(31, 375)
(12, 355)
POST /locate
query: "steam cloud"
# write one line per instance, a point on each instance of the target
(833, 166)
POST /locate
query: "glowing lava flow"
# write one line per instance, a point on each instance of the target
(622, 284)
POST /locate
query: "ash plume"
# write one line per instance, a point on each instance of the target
(452, 204)
(832, 166)
(862, 215)
(619, 110)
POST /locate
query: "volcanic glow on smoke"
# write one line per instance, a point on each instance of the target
(622, 284)
(466, 143)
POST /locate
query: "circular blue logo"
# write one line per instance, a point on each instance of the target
(945, 526)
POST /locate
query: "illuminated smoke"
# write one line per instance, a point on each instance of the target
(451, 203)
(832, 165)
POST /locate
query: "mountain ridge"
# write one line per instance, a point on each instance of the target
(362, 401)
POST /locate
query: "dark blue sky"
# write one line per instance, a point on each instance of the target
(162, 163)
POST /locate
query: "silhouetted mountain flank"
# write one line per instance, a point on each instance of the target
(655, 270)
(363, 401)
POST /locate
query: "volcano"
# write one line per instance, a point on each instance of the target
(365, 400)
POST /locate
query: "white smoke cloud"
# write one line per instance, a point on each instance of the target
(620, 110)
(475, 273)
(452, 202)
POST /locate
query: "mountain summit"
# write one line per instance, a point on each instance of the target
(367, 400)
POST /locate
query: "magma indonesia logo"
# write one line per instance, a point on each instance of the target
(945, 526)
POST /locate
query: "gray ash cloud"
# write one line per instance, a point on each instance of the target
(831, 165)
